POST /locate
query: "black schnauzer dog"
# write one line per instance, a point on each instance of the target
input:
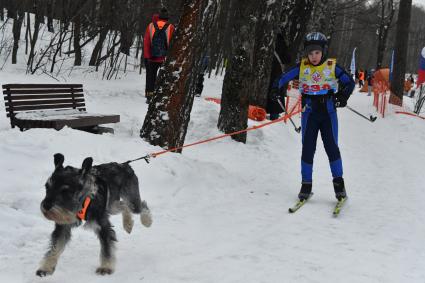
(91, 194)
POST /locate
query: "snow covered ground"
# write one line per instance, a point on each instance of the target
(220, 209)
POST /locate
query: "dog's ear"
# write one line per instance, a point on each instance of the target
(58, 159)
(87, 163)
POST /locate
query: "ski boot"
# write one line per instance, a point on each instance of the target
(305, 191)
(339, 188)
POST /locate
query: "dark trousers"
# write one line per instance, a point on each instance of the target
(199, 84)
(151, 74)
(319, 117)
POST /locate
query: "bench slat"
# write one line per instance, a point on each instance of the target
(44, 102)
(89, 121)
(14, 92)
(42, 107)
(12, 86)
(74, 123)
(45, 96)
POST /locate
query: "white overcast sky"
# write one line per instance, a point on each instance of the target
(421, 2)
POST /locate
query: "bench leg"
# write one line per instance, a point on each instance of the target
(97, 130)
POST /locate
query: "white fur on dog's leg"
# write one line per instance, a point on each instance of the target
(146, 217)
(127, 221)
(47, 266)
(107, 265)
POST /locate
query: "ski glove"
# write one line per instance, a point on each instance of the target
(274, 94)
(340, 100)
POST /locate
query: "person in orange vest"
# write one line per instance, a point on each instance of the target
(361, 78)
(156, 44)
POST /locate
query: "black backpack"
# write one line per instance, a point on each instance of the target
(159, 41)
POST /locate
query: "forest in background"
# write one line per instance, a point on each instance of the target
(367, 25)
(239, 35)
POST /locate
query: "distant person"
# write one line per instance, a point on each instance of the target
(369, 79)
(200, 80)
(361, 78)
(407, 87)
(356, 76)
(156, 43)
(280, 58)
(324, 86)
(411, 79)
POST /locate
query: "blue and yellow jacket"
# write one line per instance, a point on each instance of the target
(327, 75)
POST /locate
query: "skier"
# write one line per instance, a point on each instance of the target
(324, 87)
(369, 82)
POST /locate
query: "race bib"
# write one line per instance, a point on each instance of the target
(317, 80)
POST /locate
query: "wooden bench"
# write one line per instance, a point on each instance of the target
(52, 106)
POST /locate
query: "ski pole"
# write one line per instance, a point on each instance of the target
(370, 119)
(297, 129)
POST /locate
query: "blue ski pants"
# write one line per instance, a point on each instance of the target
(319, 114)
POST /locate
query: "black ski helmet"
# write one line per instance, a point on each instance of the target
(316, 41)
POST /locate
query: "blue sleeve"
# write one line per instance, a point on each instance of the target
(289, 76)
(346, 82)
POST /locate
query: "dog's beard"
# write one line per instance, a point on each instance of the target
(59, 215)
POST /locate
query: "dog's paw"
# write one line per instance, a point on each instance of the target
(43, 273)
(146, 217)
(128, 224)
(104, 270)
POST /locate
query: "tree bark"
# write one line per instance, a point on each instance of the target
(383, 30)
(400, 52)
(265, 34)
(34, 37)
(239, 76)
(77, 37)
(1, 10)
(168, 115)
(98, 47)
(50, 8)
(295, 17)
(17, 25)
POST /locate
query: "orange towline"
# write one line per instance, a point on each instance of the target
(410, 114)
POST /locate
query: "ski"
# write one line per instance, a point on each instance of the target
(299, 204)
(338, 207)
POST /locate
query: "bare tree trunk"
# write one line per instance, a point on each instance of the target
(1, 10)
(77, 37)
(265, 34)
(169, 112)
(62, 35)
(402, 38)
(98, 47)
(34, 38)
(235, 95)
(17, 25)
(50, 7)
(295, 18)
(201, 50)
(27, 33)
(238, 79)
(383, 30)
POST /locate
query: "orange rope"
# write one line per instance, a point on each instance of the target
(219, 137)
(410, 114)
